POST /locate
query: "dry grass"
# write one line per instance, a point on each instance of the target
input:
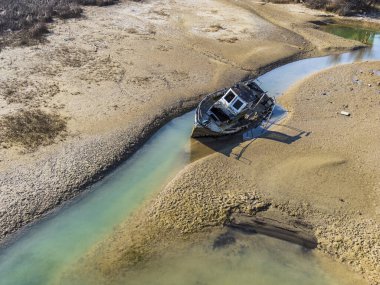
(38, 30)
(24, 21)
(284, 1)
(21, 14)
(31, 128)
(342, 7)
(97, 2)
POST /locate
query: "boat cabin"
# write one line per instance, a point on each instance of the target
(230, 110)
(232, 103)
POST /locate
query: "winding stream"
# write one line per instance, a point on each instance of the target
(41, 253)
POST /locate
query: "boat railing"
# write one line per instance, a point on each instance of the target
(206, 103)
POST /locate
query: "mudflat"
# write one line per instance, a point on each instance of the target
(114, 77)
(316, 169)
(123, 71)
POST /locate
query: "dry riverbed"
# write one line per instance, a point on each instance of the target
(115, 77)
(123, 71)
(325, 182)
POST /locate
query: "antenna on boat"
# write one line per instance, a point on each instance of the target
(268, 122)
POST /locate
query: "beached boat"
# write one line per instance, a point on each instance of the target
(228, 111)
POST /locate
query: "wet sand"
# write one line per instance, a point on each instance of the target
(95, 72)
(118, 75)
(231, 257)
(325, 182)
(115, 98)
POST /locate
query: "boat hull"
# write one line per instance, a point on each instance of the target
(259, 111)
(200, 131)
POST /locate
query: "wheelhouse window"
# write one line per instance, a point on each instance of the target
(229, 97)
(219, 114)
(214, 117)
(237, 105)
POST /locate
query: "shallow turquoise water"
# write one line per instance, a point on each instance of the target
(44, 250)
(280, 79)
(41, 253)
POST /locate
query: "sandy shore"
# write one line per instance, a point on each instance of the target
(118, 75)
(95, 72)
(326, 181)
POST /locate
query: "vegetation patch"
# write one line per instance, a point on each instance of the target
(68, 11)
(24, 22)
(342, 7)
(97, 2)
(31, 128)
(27, 92)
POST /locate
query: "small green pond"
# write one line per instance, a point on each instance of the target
(366, 36)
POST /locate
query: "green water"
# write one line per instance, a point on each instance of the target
(43, 252)
(365, 36)
(39, 255)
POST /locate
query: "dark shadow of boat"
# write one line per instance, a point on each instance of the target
(236, 145)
